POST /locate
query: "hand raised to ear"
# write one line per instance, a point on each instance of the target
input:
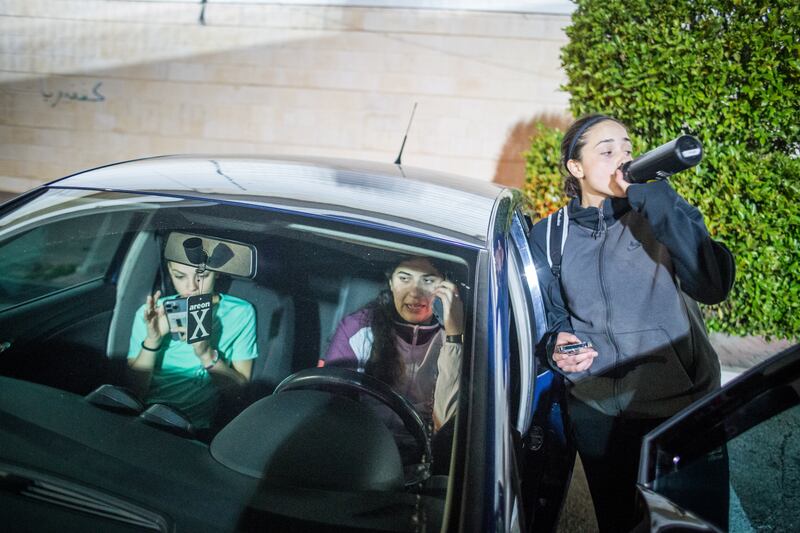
(452, 306)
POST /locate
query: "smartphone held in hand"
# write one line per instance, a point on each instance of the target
(177, 315)
(573, 348)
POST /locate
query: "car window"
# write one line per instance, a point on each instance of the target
(303, 310)
(58, 255)
(756, 448)
(765, 475)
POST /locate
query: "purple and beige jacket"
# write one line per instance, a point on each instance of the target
(432, 365)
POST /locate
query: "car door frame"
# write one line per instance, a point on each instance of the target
(501, 448)
(544, 455)
(483, 436)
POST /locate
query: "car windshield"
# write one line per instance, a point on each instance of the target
(107, 359)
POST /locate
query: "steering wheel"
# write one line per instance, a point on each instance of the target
(341, 380)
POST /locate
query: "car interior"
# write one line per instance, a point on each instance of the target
(75, 283)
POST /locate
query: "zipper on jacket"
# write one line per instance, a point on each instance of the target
(609, 333)
(415, 366)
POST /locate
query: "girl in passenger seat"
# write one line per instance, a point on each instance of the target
(398, 340)
(186, 376)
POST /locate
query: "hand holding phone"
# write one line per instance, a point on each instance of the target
(447, 307)
(571, 354)
(155, 318)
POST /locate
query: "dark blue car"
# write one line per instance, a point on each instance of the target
(298, 447)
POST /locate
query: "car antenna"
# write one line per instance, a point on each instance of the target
(400, 155)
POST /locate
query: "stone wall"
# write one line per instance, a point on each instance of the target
(83, 83)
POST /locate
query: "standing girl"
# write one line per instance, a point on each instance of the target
(632, 251)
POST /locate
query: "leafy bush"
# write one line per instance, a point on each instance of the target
(728, 72)
(542, 178)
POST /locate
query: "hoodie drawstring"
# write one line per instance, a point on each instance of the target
(601, 224)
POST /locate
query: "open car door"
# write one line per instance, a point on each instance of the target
(731, 461)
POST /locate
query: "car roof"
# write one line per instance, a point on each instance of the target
(378, 193)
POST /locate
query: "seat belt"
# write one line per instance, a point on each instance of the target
(557, 228)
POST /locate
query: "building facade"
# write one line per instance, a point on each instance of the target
(84, 83)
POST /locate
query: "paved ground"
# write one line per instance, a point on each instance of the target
(745, 352)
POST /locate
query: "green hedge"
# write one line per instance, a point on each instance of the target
(728, 72)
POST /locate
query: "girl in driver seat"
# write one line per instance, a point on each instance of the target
(398, 340)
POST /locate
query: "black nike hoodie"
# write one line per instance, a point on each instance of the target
(625, 269)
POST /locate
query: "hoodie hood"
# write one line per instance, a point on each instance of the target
(598, 219)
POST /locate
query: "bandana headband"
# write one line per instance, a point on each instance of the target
(588, 124)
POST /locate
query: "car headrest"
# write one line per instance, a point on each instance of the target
(355, 293)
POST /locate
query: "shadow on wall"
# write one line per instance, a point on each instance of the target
(511, 163)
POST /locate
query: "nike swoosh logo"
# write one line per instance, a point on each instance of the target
(634, 245)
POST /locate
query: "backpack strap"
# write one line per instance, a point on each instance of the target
(557, 228)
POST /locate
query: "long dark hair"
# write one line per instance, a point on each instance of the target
(384, 361)
(572, 146)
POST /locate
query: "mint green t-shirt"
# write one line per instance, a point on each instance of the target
(179, 379)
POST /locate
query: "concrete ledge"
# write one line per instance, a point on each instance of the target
(741, 353)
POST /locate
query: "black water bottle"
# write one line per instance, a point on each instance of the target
(664, 161)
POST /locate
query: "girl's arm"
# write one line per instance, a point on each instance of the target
(705, 268)
(149, 329)
(239, 373)
(559, 325)
(445, 394)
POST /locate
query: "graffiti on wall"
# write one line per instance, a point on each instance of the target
(56, 97)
